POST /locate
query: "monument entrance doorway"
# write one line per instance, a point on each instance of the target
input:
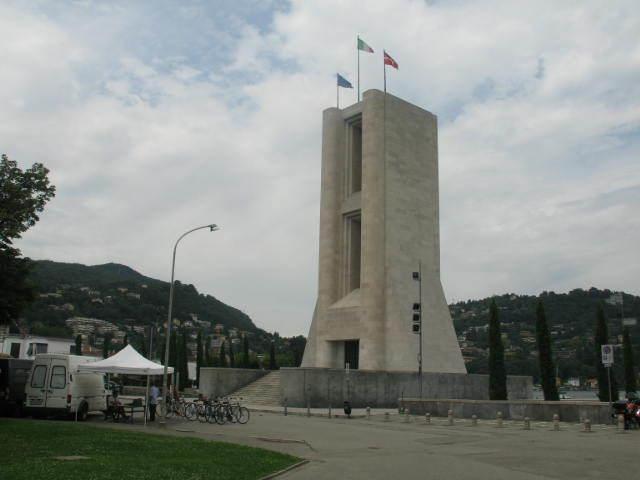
(351, 350)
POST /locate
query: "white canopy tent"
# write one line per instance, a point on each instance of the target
(127, 362)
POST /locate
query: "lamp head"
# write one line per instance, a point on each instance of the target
(213, 227)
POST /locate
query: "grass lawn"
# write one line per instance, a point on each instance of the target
(27, 449)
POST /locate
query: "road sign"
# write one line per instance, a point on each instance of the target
(607, 355)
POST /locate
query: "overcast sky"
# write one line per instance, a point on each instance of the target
(155, 117)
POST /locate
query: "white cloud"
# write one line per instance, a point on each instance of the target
(152, 128)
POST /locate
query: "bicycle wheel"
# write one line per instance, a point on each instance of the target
(209, 414)
(220, 415)
(242, 415)
(191, 411)
(170, 409)
(230, 413)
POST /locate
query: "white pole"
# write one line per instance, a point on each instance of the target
(146, 401)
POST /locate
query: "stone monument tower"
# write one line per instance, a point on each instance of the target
(378, 223)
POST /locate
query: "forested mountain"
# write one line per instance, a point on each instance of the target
(571, 317)
(118, 294)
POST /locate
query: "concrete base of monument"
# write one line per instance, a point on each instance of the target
(536, 410)
(321, 387)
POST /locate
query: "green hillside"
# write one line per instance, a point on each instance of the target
(110, 292)
(571, 317)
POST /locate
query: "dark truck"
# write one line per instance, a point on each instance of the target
(13, 378)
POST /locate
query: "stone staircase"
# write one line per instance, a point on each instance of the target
(263, 392)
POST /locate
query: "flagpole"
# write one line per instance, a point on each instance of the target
(358, 50)
(384, 68)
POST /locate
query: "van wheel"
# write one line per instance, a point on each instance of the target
(83, 412)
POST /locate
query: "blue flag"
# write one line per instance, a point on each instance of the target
(343, 82)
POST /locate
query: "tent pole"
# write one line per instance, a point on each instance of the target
(146, 401)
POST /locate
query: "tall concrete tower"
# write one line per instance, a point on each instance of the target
(378, 222)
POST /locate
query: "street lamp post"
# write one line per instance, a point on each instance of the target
(213, 227)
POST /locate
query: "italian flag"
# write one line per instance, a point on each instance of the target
(362, 45)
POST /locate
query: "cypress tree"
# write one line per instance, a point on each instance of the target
(601, 337)
(184, 362)
(208, 361)
(272, 357)
(106, 345)
(199, 357)
(245, 352)
(143, 347)
(78, 344)
(125, 341)
(232, 360)
(223, 356)
(630, 383)
(545, 356)
(497, 372)
(173, 350)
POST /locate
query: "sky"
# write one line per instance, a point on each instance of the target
(156, 117)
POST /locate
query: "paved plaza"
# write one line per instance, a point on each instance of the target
(374, 448)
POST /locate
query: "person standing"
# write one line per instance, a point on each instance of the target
(154, 394)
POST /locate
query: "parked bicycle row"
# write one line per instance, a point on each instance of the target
(220, 411)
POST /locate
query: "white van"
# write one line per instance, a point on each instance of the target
(55, 387)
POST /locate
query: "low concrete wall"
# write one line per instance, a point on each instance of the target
(218, 382)
(568, 411)
(321, 386)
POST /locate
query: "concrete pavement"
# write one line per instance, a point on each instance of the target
(374, 448)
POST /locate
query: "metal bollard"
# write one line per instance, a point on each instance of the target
(556, 422)
(308, 409)
(427, 418)
(474, 420)
(587, 425)
(386, 416)
(620, 424)
(285, 407)
(329, 411)
(450, 417)
(368, 413)
(527, 423)
(499, 419)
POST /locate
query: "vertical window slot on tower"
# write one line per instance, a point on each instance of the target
(354, 235)
(355, 157)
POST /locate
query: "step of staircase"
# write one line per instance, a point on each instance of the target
(265, 391)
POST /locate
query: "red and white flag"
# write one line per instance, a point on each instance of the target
(390, 61)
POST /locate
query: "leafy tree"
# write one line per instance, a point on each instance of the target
(545, 358)
(297, 345)
(497, 372)
(601, 337)
(232, 360)
(106, 344)
(223, 355)
(630, 382)
(23, 195)
(272, 357)
(78, 345)
(199, 356)
(245, 352)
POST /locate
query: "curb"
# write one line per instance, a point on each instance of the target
(304, 414)
(284, 470)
